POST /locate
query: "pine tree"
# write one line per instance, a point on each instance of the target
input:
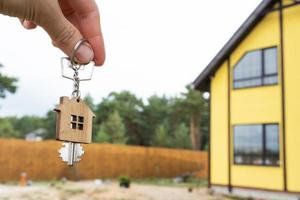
(194, 106)
(181, 137)
(102, 136)
(161, 138)
(112, 130)
(7, 84)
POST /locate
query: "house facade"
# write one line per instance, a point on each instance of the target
(254, 85)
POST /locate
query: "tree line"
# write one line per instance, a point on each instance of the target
(123, 118)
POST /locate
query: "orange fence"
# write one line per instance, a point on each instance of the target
(41, 162)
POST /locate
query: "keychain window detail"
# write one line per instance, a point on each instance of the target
(77, 122)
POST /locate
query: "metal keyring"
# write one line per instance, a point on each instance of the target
(75, 66)
(76, 47)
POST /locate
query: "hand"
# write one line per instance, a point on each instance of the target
(66, 22)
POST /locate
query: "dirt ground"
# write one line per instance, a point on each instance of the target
(91, 190)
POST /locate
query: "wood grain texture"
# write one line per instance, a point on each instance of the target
(74, 121)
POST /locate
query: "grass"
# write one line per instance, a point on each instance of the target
(9, 183)
(58, 184)
(97, 190)
(191, 182)
(73, 191)
(65, 193)
(232, 197)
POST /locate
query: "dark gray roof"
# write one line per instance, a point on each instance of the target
(202, 81)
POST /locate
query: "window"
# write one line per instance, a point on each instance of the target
(256, 68)
(256, 144)
(77, 122)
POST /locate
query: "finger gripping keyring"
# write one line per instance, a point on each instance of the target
(76, 47)
(74, 65)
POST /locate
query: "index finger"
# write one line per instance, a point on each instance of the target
(89, 21)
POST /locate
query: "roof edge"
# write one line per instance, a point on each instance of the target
(202, 81)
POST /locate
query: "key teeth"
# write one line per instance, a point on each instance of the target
(79, 153)
(64, 153)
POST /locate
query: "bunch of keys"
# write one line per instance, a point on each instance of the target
(74, 118)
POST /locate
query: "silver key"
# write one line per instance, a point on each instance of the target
(71, 152)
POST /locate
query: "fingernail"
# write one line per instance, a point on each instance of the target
(84, 54)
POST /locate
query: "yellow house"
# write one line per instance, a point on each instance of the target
(254, 85)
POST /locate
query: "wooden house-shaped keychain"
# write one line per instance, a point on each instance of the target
(74, 120)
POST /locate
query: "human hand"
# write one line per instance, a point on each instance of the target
(66, 22)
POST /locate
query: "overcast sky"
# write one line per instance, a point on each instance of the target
(152, 47)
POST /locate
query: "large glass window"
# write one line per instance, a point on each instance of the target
(256, 144)
(256, 68)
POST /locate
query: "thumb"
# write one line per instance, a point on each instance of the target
(48, 14)
(65, 35)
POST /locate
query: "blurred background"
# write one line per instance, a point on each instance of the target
(151, 126)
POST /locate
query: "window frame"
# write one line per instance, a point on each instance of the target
(263, 75)
(78, 121)
(264, 152)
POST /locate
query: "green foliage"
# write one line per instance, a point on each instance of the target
(156, 112)
(192, 103)
(130, 109)
(28, 124)
(161, 138)
(124, 181)
(88, 99)
(191, 108)
(191, 182)
(181, 137)
(19, 127)
(7, 84)
(6, 129)
(102, 136)
(112, 130)
(123, 118)
(50, 124)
